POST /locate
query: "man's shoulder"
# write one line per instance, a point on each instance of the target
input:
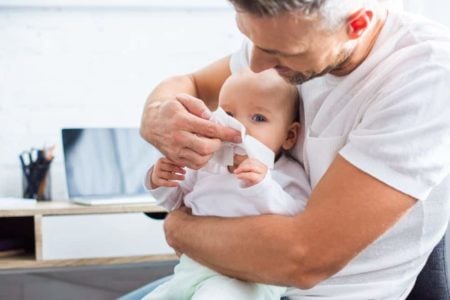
(411, 49)
(410, 30)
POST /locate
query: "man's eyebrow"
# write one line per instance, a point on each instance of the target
(277, 52)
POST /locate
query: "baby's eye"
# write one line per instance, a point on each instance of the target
(230, 114)
(258, 118)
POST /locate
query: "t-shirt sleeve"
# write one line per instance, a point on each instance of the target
(403, 138)
(241, 59)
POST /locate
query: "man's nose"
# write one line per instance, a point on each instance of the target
(261, 61)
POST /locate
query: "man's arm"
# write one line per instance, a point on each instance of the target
(347, 211)
(176, 122)
(204, 84)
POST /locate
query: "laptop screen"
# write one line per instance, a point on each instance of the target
(106, 162)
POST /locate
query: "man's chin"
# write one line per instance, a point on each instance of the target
(289, 77)
(297, 79)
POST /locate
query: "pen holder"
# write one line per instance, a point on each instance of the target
(38, 185)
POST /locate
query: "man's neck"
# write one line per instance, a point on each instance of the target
(364, 46)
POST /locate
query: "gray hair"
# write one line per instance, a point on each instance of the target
(333, 12)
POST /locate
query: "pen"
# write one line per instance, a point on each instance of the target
(35, 165)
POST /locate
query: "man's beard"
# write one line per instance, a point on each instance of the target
(299, 77)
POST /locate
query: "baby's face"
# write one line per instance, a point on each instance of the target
(263, 113)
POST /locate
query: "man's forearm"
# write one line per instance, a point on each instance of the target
(204, 84)
(258, 249)
(168, 88)
(347, 211)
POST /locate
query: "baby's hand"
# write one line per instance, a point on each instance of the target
(165, 172)
(251, 171)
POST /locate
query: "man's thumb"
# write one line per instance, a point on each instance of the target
(194, 105)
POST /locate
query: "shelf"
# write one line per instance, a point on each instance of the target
(27, 261)
(67, 208)
(34, 224)
(11, 262)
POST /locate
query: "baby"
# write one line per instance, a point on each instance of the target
(266, 107)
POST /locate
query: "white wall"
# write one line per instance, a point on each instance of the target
(437, 10)
(93, 65)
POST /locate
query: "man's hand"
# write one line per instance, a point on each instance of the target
(171, 225)
(251, 171)
(165, 172)
(181, 130)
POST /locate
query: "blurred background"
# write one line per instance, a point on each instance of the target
(93, 63)
(69, 63)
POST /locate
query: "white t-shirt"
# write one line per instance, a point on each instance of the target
(390, 118)
(284, 190)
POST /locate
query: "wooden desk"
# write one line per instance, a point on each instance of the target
(30, 217)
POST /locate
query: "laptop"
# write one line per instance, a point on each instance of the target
(107, 165)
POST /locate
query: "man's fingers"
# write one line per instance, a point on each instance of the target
(199, 144)
(186, 126)
(180, 115)
(192, 159)
(210, 129)
(166, 160)
(194, 106)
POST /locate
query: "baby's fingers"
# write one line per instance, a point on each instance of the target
(170, 175)
(251, 165)
(166, 173)
(249, 178)
(168, 179)
(167, 165)
(166, 183)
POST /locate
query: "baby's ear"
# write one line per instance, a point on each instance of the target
(292, 136)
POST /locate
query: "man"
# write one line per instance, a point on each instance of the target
(376, 148)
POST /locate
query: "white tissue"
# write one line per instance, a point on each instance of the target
(249, 146)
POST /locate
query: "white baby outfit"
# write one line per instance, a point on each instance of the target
(214, 191)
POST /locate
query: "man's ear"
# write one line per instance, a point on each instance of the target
(358, 22)
(292, 136)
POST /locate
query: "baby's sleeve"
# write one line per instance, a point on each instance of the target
(285, 190)
(292, 180)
